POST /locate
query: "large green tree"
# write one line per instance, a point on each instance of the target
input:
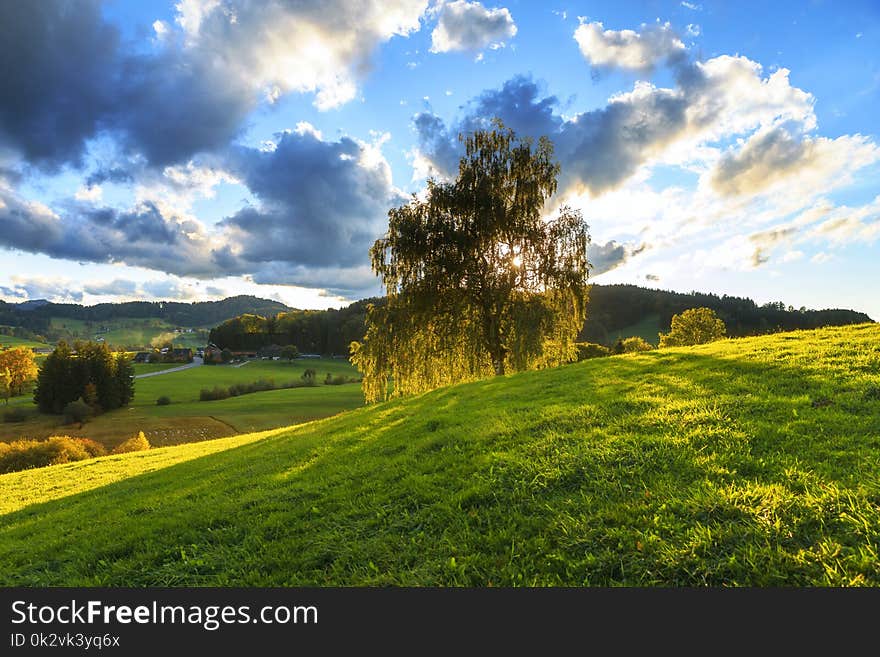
(478, 280)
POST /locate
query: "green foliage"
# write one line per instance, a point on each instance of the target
(164, 400)
(309, 331)
(693, 326)
(634, 344)
(289, 352)
(25, 454)
(478, 282)
(705, 467)
(77, 411)
(587, 350)
(91, 371)
(226, 355)
(631, 310)
(15, 414)
(309, 376)
(214, 394)
(18, 368)
(138, 443)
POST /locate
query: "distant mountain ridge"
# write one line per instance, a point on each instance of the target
(35, 315)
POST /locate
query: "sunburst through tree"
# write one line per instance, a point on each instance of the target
(478, 280)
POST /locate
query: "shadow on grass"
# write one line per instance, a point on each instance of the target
(666, 468)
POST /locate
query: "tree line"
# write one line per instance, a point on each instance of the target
(610, 309)
(326, 332)
(613, 308)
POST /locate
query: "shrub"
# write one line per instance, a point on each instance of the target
(309, 376)
(93, 447)
(16, 414)
(587, 350)
(77, 411)
(25, 454)
(635, 344)
(164, 400)
(335, 380)
(207, 394)
(137, 443)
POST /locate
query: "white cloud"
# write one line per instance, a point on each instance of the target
(317, 47)
(471, 26)
(93, 193)
(781, 156)
(161, 29)
(628, 49)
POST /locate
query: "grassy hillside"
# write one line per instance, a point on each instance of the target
(744, 462)
(7, 341)
(128, 331)
(648, 329)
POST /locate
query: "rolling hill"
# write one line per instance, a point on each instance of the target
(747, 462)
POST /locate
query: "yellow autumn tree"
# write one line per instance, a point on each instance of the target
(17, 368)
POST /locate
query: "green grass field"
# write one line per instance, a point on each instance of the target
(749, 462)
(7, 341)
(187, 419)
(123, 332)
(648, 329)
(149, 368)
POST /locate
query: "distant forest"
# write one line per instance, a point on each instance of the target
(248, 322)
(612, 309)
(32, 319)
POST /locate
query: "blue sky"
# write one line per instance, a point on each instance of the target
(204, 148)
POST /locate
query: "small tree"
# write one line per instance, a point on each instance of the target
(289, 352)
(137, 443)
(5, 385)
(693, 326)
(309, 376)
(20, 367)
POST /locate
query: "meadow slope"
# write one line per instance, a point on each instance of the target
(743, 462)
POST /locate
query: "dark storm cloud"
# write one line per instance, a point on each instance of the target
(178, 104)
(321, 203)
(605, 257)
(59, 67)
(111, 174)
(597, 150)
(65, 79)
(141, 237)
